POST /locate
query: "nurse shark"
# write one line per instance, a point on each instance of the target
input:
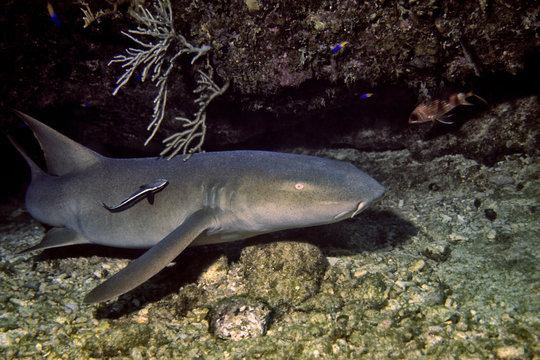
(211, 198)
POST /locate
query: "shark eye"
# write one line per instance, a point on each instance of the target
(299, 186)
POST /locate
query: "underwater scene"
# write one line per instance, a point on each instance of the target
(267, 179)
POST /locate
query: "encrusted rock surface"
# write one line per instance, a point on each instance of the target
(283, 272)
(239, 318)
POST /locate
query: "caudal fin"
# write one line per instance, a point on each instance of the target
(34, 168)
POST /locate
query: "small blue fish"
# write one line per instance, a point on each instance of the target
(366, 95)
(52, 14)
(338, 46)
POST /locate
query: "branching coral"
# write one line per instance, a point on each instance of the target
(195, 128)
(157, 63)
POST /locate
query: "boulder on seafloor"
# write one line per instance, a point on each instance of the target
(283, 272)
(237, 318)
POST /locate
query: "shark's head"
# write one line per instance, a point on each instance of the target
(298, 191)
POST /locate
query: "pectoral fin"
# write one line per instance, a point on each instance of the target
(155, 259)
(57, 237)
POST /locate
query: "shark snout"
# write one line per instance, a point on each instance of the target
(377, 193)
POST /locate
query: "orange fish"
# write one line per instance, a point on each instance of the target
(438, 110)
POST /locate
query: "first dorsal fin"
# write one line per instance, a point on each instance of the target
(62, 154)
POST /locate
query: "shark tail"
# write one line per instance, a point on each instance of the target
(34, 168)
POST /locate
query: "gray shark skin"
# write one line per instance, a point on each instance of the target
(211, 198)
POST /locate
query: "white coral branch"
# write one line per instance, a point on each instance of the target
(196, 127)
(154, 36)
